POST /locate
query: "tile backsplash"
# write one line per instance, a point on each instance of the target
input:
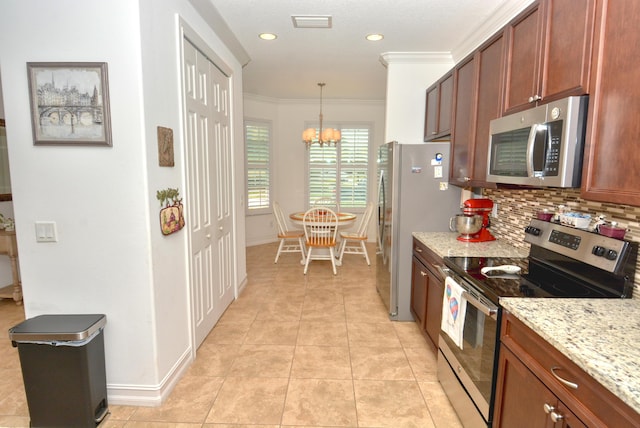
(516, 207)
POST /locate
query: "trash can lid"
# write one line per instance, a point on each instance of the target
(57, 327)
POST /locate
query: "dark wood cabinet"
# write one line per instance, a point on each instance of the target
(522, 396)
(477, 100)
(611, 153)
(464, 108)
(433, 320)
(437, 123)
(419, 285)
(539, 387)
(489, 60)
(427, 290)
(548, 53)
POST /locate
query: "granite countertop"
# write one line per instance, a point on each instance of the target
(602, 336)
(445, 244)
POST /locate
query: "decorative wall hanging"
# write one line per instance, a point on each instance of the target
(69, 103)
(165, 146)
(172, 213)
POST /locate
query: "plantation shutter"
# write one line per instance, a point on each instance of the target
(341, 173)
(257, 140)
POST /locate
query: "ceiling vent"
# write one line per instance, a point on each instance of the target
(311, 21)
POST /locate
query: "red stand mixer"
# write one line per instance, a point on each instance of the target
(481, 207)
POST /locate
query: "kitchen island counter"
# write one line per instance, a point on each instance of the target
(601, 336)
(445, 244)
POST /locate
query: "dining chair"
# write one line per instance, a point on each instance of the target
(355, 242)
(320, 229)
(291, 240)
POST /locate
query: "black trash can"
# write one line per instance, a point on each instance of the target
(62, 359)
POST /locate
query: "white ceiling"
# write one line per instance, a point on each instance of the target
(291, 66)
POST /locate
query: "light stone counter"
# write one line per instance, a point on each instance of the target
(445, 244)
(602, 336)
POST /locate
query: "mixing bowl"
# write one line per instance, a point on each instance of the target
(466, 224)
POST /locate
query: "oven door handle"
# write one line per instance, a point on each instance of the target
(490, 312)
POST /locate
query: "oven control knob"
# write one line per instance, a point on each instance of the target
(532, 230)
(611, 255)
(598, 251)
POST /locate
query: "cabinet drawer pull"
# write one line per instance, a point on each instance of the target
(418, 250)
(556, 417)
(423, 273)
(551, 411)
(563, 381)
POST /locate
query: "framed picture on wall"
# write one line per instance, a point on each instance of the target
(69, 103)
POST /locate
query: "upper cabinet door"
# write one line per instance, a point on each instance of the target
(568, 45)
(461, 172)
(489, 96)
(523, 36)
(437, 121)
(610, 171)
(548, 53)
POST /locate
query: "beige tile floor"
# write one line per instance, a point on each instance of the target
(292, 351)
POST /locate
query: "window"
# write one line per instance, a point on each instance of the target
(258, 153)
(341, 173)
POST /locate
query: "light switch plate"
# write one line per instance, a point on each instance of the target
(46, 231)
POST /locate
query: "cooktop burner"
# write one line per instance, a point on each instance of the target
(534, 280)
(562, 262)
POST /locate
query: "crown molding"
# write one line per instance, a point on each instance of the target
(484, 30)
(416, 58)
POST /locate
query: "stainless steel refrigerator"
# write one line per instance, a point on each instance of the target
(413, 196)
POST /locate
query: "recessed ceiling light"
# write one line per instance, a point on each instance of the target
(374, 37)
(267, 36)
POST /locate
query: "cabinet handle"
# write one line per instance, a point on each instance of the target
(551, 411)
(423, 273)
(434, 132)
(418, 249)
(535, 98)
(467, 178)
(563, 381)
(556, 417)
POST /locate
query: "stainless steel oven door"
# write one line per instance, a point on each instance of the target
(474, 364)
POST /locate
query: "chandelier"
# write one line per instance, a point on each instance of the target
(323, 136)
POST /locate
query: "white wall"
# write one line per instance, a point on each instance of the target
(289, 118)
(110, 256)
(96, 195)
(408, 77)
(6, 209)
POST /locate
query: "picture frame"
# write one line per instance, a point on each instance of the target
(69, 103)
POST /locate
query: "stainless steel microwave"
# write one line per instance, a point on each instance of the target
(540, 147)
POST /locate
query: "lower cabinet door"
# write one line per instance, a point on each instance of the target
(520, 397)
(419, 284)
(435, 292)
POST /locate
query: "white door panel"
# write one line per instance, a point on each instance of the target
(209, 189)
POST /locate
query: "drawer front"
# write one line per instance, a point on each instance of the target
(588, 399)
(428, 258)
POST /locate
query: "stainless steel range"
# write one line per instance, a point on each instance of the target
(563, 262)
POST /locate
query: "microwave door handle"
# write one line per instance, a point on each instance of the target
(490, 312)
(531, 143)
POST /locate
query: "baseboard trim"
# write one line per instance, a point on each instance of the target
(150, 396)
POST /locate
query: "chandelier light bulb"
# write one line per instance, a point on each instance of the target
(322, 136)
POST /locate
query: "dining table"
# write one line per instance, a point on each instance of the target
(345, 219)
